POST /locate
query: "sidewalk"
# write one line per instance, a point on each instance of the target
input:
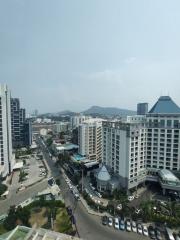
(90, 211)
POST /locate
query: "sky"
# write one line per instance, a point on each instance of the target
(72, 54)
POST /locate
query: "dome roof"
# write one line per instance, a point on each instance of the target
(103, 174)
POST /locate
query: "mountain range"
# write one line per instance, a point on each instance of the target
(108, 111)
(95, 111)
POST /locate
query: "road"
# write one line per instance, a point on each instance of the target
(19, 197)
(89, 226)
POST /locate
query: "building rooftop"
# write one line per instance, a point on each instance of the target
(168, 175)
(25, 233)
(165, 105)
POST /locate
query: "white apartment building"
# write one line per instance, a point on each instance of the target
(61, 127)
(124, 150)
(136, 149)
(6, 158)
(75, 121)
(90, 139)
(163, 138)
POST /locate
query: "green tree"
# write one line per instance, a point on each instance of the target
(3, 188)
(10, 221)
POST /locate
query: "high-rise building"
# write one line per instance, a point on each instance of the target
(6, 159)
(75, 121)
(163, 139)
(145, 147)
(17, 122)
(90, 139)
(142, 108)
(124, 150)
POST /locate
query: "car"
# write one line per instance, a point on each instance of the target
(151, 231)
(116, 223)
(98, 194)
(122, 225)
(158, 234)
(110, 221)
(104, 220)
(136, 196)
(145, 231)
(130, 198)
(139, 228)
(119, 207)
(177, 237)
(134, 227)
(128, 225)
(76, 195)
(137, 211)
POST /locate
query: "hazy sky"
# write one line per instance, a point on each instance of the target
(62, 54)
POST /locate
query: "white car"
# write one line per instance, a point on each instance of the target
(98, 194)
(139, 229)
(145, 231)
(134, 228)
(116, 223)
(130, 198)
(119, 206)
(128, 225)
(110, 221)
(137, 211)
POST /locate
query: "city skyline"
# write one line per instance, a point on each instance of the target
(72, 55)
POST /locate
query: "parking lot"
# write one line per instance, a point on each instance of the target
(134, 227)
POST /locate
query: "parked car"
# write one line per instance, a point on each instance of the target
(139, 228)
(128, 225)
(177, 237)
(119, 206)
(137, 211)
(122, 225)
(116, 223)
(134, 227)
(76, 195)
(130, 198)
(158, 234)
(136, 196)
(151, 231)
(110, 221)
(98, 194)
(145, 231)
(104, 220)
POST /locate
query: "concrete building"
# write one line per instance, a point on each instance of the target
(61, 127)
(17, 123)
(142, 108)
(163, 139)
(6, 158)
(75, 121)
(26, 233)
(90, 139)
(124, 150)
(139, 148)
(21, 128)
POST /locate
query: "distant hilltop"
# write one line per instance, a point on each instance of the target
(94, 111)
(108, 111)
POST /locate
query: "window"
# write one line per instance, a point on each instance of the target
(169, 122)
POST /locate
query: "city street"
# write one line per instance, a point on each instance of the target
(89, 227)
(17, 198)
